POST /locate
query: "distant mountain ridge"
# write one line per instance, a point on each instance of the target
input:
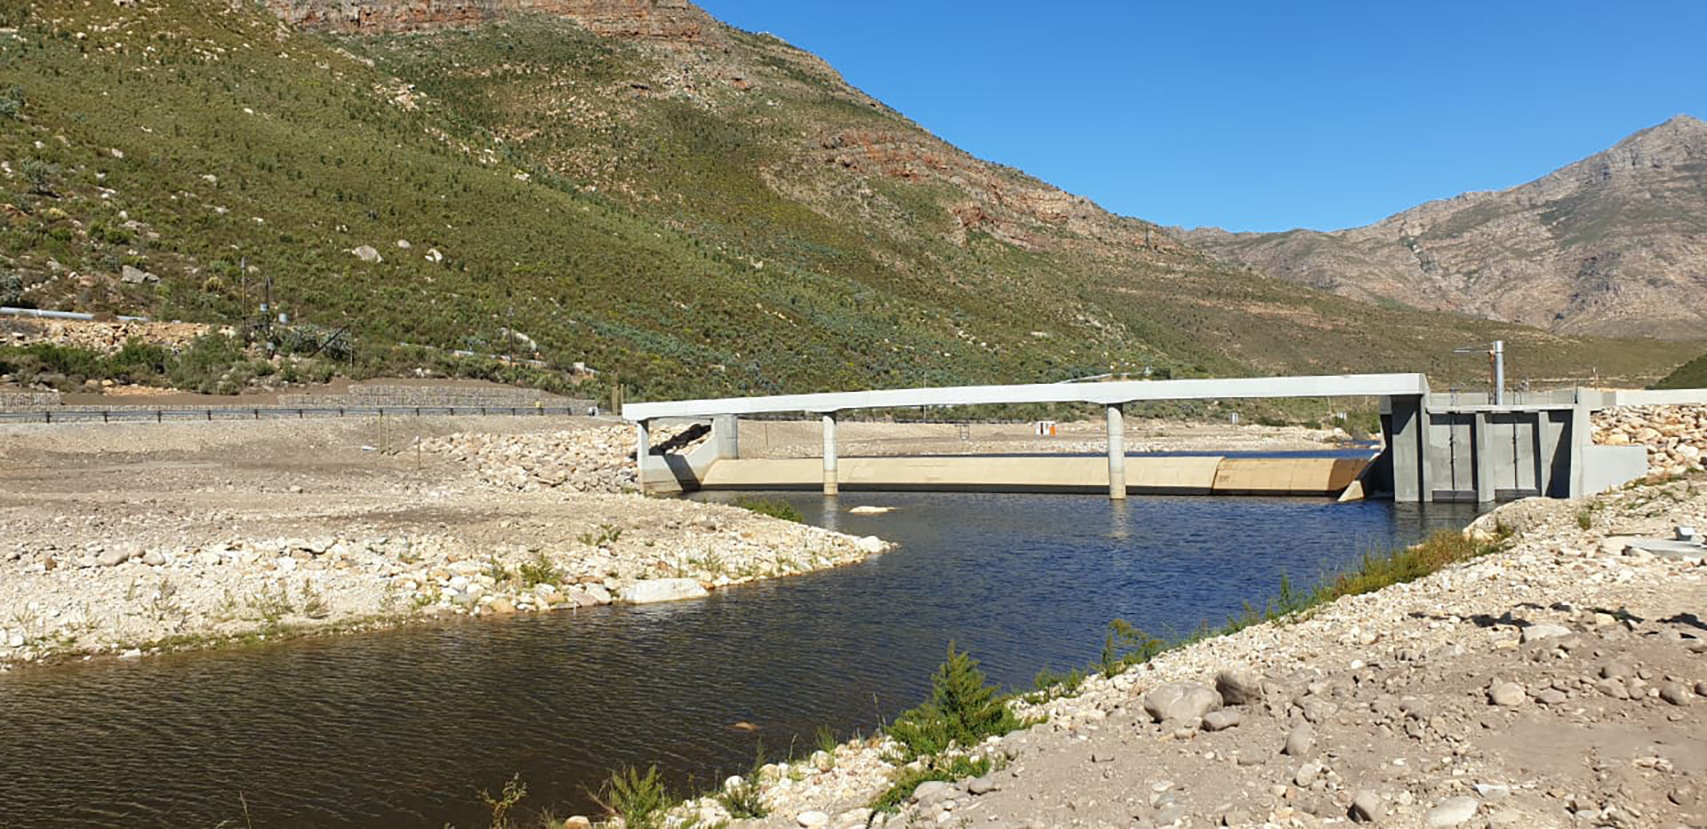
(1615, 244)
(629, 185)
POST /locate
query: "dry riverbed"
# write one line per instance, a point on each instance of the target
(130, 538)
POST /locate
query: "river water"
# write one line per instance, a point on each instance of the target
(401, 728)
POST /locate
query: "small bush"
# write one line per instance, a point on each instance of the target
(963, 709)
(539, 571)
(40, 175)
(206, 364)
(639, 799)
(11, 289)
(1124, 646)
(1046, 683)
(772, 508)
(743, 799)
(12, 103)
(500, 804)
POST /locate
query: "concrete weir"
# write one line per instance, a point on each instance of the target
(1143, 475)
(1437, 447)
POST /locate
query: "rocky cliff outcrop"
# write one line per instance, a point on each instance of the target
(992, 200)
(669, 20)
(1614, 244)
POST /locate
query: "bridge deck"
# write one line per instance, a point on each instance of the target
(1108, 394)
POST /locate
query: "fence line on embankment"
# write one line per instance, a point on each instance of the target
(131, 414)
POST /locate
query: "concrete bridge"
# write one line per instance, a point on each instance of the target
(1437, 447)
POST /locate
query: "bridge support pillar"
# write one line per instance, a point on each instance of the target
(832, 483)
(642, 448)
(1116, 453)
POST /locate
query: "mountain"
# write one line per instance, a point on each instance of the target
(684, 207)
(1615, 244)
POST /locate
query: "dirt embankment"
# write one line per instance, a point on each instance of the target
(119, 536)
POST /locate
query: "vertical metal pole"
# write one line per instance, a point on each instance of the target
(1499, 372)
(1116, 453)
(832, 482)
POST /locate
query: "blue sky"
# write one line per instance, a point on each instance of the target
(1264, 115)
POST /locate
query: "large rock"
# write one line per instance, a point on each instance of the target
(136, 276)
(1181, 701)
(1507, 694)
(1451, 812)
(651, 591)
(1535, 633)
(1220, 720)
(1239, 686)
(1300, 740)
(1366, 807)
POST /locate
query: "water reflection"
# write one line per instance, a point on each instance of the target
(831, 514)
(1120, 520)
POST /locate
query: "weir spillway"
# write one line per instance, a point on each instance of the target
(1436, 447)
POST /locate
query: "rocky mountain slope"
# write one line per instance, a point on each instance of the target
(1615, 244)
(682, 206)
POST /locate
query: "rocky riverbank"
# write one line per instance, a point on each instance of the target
(1557, 682)
(127, 539)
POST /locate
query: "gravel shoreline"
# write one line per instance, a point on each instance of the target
(133, 539)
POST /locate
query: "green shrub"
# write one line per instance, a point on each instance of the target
(41, 176)
(639, 799)
(539, 571)
(1124, 646)
(138, 361)
(12, 103)
(772, 508)
(1050, 684)
(743, 799)
(11, 288)
(205, 365)
(963, 709)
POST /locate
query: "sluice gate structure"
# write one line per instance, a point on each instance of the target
(1437, 447)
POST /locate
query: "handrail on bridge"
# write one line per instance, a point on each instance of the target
(1106, 394)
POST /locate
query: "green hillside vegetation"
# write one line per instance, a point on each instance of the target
(547, 181)
(1690, 375)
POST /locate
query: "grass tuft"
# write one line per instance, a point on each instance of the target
(772, 508)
